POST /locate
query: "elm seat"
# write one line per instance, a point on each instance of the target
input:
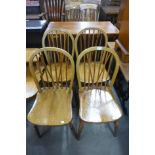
(97, 102)
(52, 107)
(98, 106)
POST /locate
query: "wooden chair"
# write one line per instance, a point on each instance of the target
(52, 106)
(90, 37)
(61, 39)
(53, 10)
(97, 102)
(89, 12)
(72, 12)
(86, 38)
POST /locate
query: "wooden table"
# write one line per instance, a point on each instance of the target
(75, 27)
(31, 88)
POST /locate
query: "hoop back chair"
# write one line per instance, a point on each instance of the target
(59, 38)
(72, 12)
(53, 9)
(90, 37)
(97, 102)
(52, 106)
(89, 12)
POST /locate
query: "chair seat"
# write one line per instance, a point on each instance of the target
(51, 107)
(98, 106)
(56, 75)
(89, 68)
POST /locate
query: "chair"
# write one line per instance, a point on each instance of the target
(90, 37)
(53, 10)
(89, 12)
(72, 12)
(59, 38)
(52, 106)
(97, 102)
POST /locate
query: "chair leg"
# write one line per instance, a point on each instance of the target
(116, 126)
(73, 129)
(81, 125)
(38, 132)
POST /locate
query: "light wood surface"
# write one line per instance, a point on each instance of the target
(31, 88)
(59, 38)
(52, 107)
(61, 69)
(53, 103)
(102, 58)
(89, 12)
(50, 62)
(123, 66)
(98, 106)
(84, 72)
(75, 27)
(29, 52)
(97, 103)
(90, 37)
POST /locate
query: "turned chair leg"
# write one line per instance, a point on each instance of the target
(81, 125)
(116, 126)
(73, 129)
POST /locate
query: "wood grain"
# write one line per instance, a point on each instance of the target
(52, 107)
(75, 27)
(98, 106)
(31, 88)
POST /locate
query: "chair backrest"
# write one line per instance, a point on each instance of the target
(113, 2)
(59, 38)
(89, 12)
(55, 67)
(54, 9)
(72, 12)
(102, 63)
(90, 37)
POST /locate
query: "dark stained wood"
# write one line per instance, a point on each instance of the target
(123, 24)
(54, 9)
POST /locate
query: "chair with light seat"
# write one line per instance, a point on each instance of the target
(52, 106)
(89, 12)
(89, 37)
(59, 38)
(97, 101)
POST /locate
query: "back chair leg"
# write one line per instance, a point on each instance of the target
(116, 126)
(81, 125)
(73, 129)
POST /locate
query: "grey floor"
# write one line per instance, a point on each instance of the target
(96, 139)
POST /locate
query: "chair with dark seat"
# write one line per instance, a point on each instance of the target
(52, 106)
(97, 101)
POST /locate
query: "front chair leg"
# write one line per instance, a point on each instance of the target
(116, 126)
(73, 129)
(37, 130)
(81, 125)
